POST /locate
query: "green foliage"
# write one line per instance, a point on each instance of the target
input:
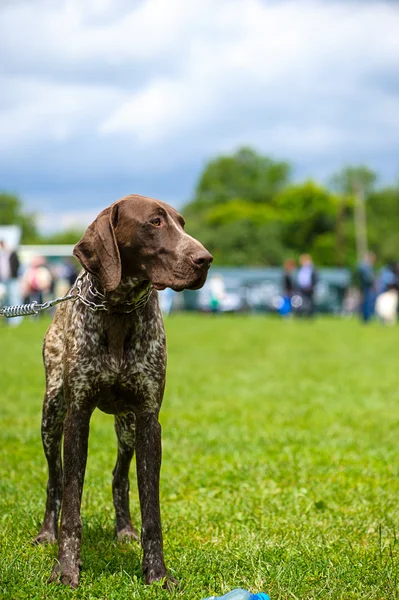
(308, 212)
(280, 466)
(382, 208)
(383, 223)
(233, 212)
(11, 213)
(241, 210)
(247, 213)
(348, 180)
(246, 174)
(69, 236)
(244, 242)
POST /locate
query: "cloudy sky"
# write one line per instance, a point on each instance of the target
(101, 98)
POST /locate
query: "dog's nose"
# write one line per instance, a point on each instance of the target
(202, 259)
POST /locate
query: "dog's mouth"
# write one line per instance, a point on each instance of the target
(198, 283)
(180, 286)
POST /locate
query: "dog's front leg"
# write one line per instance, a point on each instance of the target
(76, 434)
(148, 462)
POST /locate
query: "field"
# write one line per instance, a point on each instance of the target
(280, 465)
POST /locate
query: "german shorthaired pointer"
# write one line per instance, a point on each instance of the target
(114, 359)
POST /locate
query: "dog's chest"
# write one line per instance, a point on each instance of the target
(127, 360)
(122, 360)
(131, 377)
(117, 340)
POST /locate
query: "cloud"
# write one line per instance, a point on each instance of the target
(37, 111)
(107, 97)
(304, 57)
(76, 220)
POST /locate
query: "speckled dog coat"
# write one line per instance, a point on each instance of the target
(114, 360)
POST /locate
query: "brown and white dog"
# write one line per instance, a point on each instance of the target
(114, 359)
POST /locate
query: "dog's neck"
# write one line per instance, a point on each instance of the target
(131, 290)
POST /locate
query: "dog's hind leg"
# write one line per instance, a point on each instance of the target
(125, 427)
(54, 410)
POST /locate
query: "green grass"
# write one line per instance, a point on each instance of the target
(280, 465)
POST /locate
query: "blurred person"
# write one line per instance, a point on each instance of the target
(37, 280)
(288, 286)
(283, 303)
(388, 278)
(217, 292)
(4, 262)
(9, 271)
(289, 267)
(367, 282)
(4, 272)
(64, 275)
(306, 281)
(71, 271)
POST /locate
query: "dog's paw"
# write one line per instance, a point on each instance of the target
(170, 583)
(66, 576)
(45, 536)
(55, 574)
(127, 534)
(161, 575)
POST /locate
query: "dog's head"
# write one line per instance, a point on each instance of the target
(143, 238)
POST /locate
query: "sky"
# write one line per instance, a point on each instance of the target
(102, 98)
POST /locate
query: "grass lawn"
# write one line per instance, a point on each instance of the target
(280, 465)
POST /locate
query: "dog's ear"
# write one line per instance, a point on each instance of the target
(98, 250)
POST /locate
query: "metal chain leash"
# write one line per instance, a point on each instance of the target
(34, 308)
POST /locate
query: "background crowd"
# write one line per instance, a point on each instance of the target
(371, 291)
(37, 281)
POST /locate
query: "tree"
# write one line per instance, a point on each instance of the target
(233, 210)
(11, 213)
(383, 223)
(308, 212)
(347, 180)
(69, 236)
(245, 174)
(355, 183)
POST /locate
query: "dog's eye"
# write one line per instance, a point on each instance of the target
(156, 222)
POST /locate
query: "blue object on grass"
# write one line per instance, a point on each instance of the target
(240, 594)
(285, 307)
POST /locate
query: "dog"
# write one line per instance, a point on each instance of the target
(106, 349)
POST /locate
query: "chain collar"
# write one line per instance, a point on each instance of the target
(104, 305)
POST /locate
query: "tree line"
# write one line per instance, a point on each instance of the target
(247, 210)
